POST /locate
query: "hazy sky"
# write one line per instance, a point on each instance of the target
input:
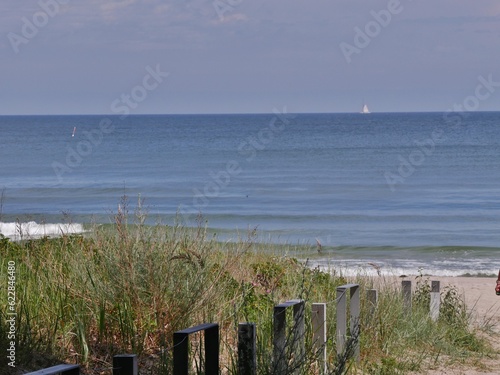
(243, 56)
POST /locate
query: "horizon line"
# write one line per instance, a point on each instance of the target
(236, 113)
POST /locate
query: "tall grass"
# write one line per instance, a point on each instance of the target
(128, 287)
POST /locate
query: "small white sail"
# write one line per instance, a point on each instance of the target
(74, 131)
(365, 109)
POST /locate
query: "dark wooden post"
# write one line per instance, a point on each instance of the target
(247, 349)
(280, 361)
(181, 349)
(125, 364)
(279, 339)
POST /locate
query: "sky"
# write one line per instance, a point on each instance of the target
(247, 56)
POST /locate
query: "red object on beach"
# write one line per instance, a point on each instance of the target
(497, 288)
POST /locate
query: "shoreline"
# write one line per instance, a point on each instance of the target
(346, 260)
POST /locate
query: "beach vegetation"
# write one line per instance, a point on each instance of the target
(127, 287)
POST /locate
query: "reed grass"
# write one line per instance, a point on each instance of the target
(126, 289)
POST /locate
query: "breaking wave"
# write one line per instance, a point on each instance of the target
(33, 230)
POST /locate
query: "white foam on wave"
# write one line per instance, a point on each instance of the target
(353, 269)
(33, 230)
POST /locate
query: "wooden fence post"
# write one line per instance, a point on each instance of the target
(342, 317)
(319, 332)
(299, 330)
(435, 300)
(125, 364)
(247, 350)
(406, 284)
(280, 360)
(181, 349)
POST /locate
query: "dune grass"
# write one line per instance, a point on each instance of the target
(126, 289)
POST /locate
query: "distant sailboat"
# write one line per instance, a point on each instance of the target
(365, 109)
(74, 131)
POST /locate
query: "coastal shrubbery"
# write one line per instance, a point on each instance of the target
(127, 287)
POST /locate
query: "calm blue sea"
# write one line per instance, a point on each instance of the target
(401, 190)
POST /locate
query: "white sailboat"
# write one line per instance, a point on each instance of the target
(365, 109)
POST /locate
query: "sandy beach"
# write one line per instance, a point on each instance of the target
(479, 293)
(484, 304)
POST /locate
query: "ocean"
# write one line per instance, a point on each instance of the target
(408, 192)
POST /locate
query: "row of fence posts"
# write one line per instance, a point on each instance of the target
(435, 298)
(282, 343)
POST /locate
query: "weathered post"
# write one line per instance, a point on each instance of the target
(247, 349)
(280, 361)
(279, 339)
(299, 330)
(319, 332)
(406, 284)
(342, 317)
(435, 300)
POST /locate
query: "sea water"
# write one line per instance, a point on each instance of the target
(402, 191)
